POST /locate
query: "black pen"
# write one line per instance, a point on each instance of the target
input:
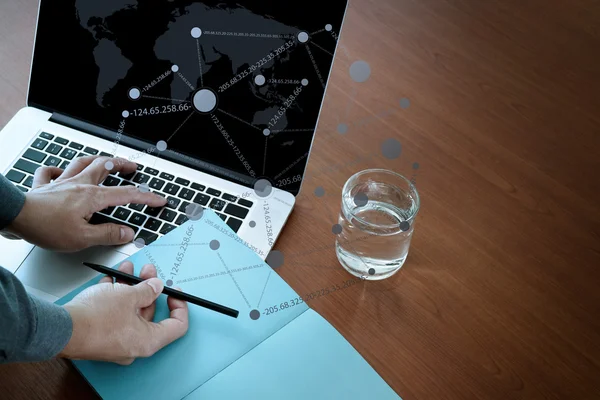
(133, 280)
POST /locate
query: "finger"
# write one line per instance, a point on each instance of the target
(107, 279)
(117, 196)
(107, 235)
(127, 267)
(77, 165)
(98, 170)
(148, 272)
(147, 292)
(174, 327)
(44, 175)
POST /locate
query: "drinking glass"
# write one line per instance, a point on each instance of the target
(376, 223)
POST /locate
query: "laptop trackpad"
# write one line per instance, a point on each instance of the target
(58, 274)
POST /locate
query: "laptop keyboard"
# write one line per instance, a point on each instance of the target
(148, 223)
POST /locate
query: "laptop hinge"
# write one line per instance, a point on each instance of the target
(142, 146)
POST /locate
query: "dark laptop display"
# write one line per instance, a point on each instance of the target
(235, 84)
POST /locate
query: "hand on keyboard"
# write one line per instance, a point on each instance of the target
(57, 209)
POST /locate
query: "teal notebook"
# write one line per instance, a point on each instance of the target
(293, 353)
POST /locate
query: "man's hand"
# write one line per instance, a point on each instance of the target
(113, 321)
(56, 212)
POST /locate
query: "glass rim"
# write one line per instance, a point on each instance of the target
(412, 187)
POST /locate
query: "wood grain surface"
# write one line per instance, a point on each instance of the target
(500, 296)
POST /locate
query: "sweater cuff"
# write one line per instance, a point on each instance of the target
(12, 202)
(53, 329)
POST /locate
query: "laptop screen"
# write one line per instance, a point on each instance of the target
(235, 85)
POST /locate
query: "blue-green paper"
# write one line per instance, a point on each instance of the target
(292, 353)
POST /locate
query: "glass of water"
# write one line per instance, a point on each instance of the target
(376, 223)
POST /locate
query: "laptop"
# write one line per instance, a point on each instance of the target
(216, 102)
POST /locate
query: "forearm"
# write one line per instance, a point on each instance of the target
(11, 202)
(30, 329)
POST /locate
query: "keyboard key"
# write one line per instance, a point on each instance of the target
(148, 237)
(46, 135)
(234, 224)
(61, 140)
(64, 165)
(168, 215)
(166, 176)
(76, 146)
(159, 193)
(68, 154)
(152, 211)
(126, 183)
(183, 206)
(105, 154)
(229, 197)
(23, 189)
(90, 150)
(54, 149)
(245, 203)
(53, 161)
(217, 204)
(213, 192)
(137, 207)
(201, 199)
(141, 178)
(34, 155)
(172, 202)
(39, 144)
(222, 216)
(156, 183)
(137, 219)
(166, 228)
(98, 219)
(186, 194)
(140, 167)
(81, 155)
(108, 210)
(236, 211)
(199, 187)
(26, 166)
(152, 224)
(151, 171)
(15, 176)
(182, 219)
(171, 189)
(122, 213)
(127, 177)
(111, 181)
(28, 181)
(182, 182)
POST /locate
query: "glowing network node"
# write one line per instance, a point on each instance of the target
(204, 101)
(360, 71)
(304, 82)
(144, 188)
(259, 80)
(303, 37)
(175, 68)
(109, 165)
(196, 32)
(139, 243)
(125, 114)
(134, 93)
(263, 188)
(267, 132)
(328, 27)
(252, 224)
(161, 145)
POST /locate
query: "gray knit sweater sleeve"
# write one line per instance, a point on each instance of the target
(30, 329)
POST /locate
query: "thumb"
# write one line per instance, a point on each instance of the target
(109, 234)
(147, 292)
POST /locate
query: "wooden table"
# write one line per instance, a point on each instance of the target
(500, 296)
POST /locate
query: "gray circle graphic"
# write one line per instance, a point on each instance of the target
(304, 82)
(194, 211)
(214, 245)
(303, 37)
(336, 229)
(161, 145)
(342, 129)
(254, 315)
(404, 103)
(259, 80)
(416, 165)
(266, 132)
(144, 188)
(109, 165)
(275, 259)
(391, 149)
(134, 93)
(361, 199)
(328, 27)
(204, 100)
(139, 243)
(125, 114)
(196, 32)
(319, 191)
(360, 71)
(252, 224)
(404, 226)
(175, 68)
(371, 271)
(263, 188)
(169, 282)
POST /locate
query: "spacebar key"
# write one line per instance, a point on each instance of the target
(98, 219)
